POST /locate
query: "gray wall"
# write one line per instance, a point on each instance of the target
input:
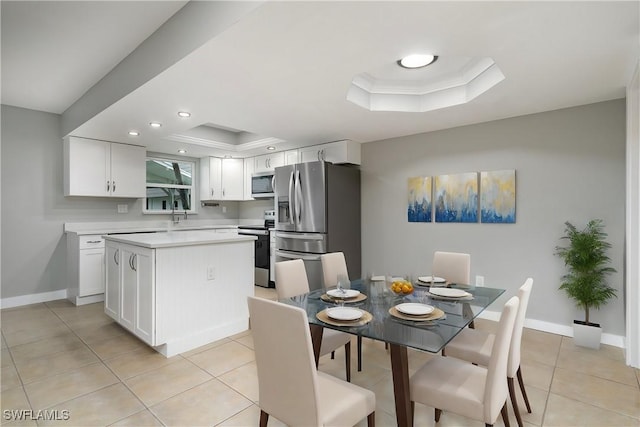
(34, 208)
(570, 165)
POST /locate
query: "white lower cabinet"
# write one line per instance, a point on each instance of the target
(130, 298)
(179, 298)
(85, 268)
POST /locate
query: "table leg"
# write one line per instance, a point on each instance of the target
(316, 340)
(400, 373)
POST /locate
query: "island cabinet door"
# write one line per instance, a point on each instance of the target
(113, 281)
(137, 293)
(145, 297)
(128, 288)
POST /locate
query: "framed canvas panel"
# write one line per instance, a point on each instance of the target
(498, 196)
(456, 197)
(419, 205)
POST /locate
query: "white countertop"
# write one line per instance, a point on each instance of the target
(87, 228)
(178, 238)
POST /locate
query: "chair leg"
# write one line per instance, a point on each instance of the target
(505, 415)
(514, 401)
(359, 353)
(437, 415)
(333, 355)
(524, 393)
(264, 418)
(371, 419)
(347, 360)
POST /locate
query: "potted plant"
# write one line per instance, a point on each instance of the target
(586, 280)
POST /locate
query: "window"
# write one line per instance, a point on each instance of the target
(169, 185)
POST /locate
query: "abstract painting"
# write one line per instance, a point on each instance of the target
(456, 197)
(419, 206)
(498, 196)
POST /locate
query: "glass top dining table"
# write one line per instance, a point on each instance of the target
(400, 334)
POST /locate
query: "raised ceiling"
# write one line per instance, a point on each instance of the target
(281, 71)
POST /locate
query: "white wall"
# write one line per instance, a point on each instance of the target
(34, 208)
(570, 165)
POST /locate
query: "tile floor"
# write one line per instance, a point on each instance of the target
(77, 361)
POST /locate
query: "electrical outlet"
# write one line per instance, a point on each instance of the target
(224, 209)
(211, 273)
(123, 208)
(479, 281)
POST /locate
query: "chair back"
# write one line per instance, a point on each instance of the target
(516, 340)
(287, 376)
(496, 390)
(455, 267)
(333, 265)
(291, 278)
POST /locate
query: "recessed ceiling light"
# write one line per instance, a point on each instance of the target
(417, 61)
(134, 133)
(184, 114)
(271, 147)
(155, 124)
(182, 151)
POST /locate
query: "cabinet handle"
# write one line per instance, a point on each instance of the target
(322, 155)
(94, 241)
(223, 192)
(108, 186)
(131, 261)
(318, 155)
(115, 256)
(133, 266)
(113, 187)
(212, 191)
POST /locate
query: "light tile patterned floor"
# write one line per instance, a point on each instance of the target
(59, 357)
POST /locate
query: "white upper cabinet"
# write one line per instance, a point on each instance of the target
(335, 152)
(249, 167)
(268, 162)
(291, 157)
(221, 179)
(103, 169)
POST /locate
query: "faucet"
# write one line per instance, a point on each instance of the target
(176, 219)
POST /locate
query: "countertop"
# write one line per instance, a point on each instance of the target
(90, 228)
(178, 238)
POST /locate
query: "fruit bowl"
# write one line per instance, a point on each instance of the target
(401, 287)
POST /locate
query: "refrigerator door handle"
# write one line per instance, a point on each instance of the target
(291, 211)
(299, 236)
(297, 256)
(298, 197)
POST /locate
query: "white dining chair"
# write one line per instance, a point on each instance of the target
(477, 392)
(291, 280)
(475, 346)
(334, 265)
(455, 267)
(289, 385)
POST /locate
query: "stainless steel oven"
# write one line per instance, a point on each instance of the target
(263, 255)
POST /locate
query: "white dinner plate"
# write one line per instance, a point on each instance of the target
(429, 279)
(449, 292)
(348, 293)
(414, 308)
(377, 278)
(344, 313)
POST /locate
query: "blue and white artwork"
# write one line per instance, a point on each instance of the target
(498, 196)
(456, 197)
(419, 206)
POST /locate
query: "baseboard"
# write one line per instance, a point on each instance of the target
(554, 328)
(33, 298)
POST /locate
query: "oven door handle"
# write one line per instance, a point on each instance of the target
(295, 256)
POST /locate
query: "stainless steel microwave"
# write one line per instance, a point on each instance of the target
(262, 185)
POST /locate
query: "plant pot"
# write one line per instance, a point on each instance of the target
(587, 334)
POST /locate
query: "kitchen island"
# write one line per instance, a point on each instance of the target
(179, 290)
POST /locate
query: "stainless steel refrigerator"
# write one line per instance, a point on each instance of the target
(318, 211)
